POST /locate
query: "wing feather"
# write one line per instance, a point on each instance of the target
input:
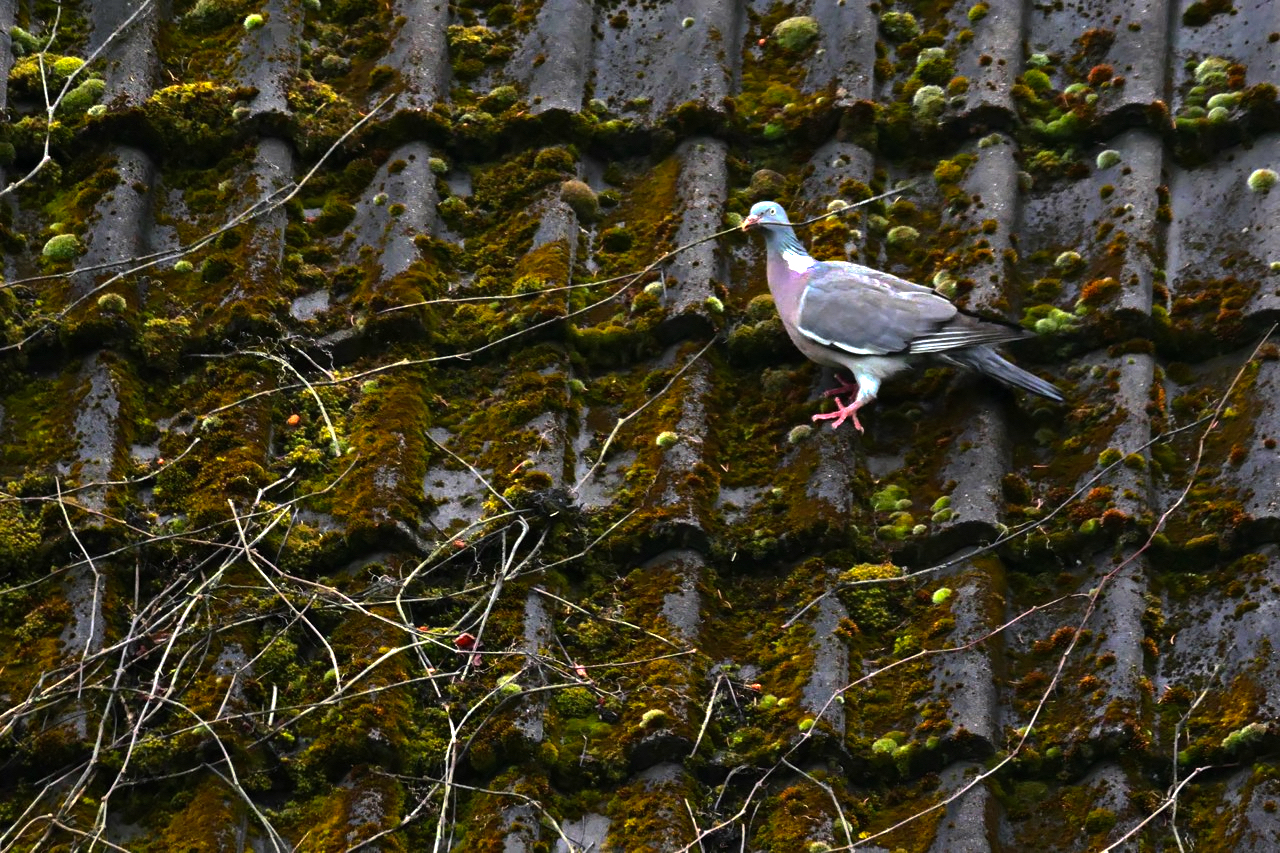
(863, 311)
(867, 312)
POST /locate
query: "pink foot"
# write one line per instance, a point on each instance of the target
(841, 413)
(846, 385)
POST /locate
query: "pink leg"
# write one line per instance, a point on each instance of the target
(842, 412)
(846, 385)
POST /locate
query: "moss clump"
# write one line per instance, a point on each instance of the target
(1212, 71)
(1225, 100)
(582, 199)
(558, 158)
(499, 99)
(890, 498)
(1243, 738)
(335, 216)
(65, 66)
(24, 42)
(1048, 320)
(653, 718)
(941, 594)
(766, 184)
(796, 34)
(84, 96)
(774, 131)
(19, 537)
(62, 247)
(575, 702)
(28, 78)
(884, 745)
(162, 341)
(902, 237)
(208, 15)
(1037, 81)
(666, 439)
(951, 171)
(799, 433)
(977, 12)
(453, 210)
(471, 47)
(1068, 262)
(899, 26)
(928, 103)
(112, 303)
(253, 22)
(1099, 820)
(934, 66)
(1262, 180)
(616, 240)
(1108, 158)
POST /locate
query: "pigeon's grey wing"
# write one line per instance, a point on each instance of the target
(867, 312)
(965, 332)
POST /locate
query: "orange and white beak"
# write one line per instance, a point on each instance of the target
(749, 221)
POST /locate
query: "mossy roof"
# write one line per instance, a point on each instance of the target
(355, 494)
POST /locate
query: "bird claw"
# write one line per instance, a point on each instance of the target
(846, 385)
(842, 413)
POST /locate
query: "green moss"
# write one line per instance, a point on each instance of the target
(1262, 180)
(575, 702)
(163, 341)
(1225, 100)
(666, 439)
(62, 247)
(194, 119)
(20, 537)
(899, 26)
(889, 498)
(1212, 71)
(1048, 320)
(654, 718)
(902, 237)
(1037, 81)
(885, 745)
(1099, 820)
(209, 15)
(928, 103)
(470, 48)
(83, 96)
(23, 42)
(1244, 738)
(112, 303)
(799, 433)
(499, 99)
(1068, 262)
(1108, 158)
(795, 34)
(582, 199)
(933, 65)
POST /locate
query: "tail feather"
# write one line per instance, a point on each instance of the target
(988, 361)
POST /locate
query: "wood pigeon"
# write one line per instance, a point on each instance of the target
(874, 324)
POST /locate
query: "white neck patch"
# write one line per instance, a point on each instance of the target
(797, 262)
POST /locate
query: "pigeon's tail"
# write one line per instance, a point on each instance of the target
(988, 361)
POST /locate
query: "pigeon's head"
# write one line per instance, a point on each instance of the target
(765, 213)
